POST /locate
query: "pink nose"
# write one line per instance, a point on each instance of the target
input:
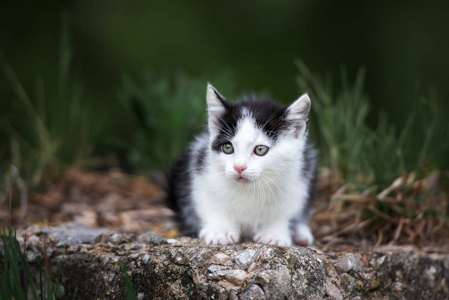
(240, 169)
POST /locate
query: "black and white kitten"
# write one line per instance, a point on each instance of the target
(251, 174)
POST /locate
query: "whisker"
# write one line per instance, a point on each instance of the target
(189, 171)
(264, 177)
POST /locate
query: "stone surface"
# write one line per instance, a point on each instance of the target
(93, 263)
(349, 262)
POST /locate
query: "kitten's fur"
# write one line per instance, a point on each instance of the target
(270, 200)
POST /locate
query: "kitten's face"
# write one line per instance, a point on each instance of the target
(254, 141)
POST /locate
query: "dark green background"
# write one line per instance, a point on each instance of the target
(400, 42)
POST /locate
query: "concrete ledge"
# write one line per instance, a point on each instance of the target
(91, 262)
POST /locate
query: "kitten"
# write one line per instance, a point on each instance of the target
(251, 174)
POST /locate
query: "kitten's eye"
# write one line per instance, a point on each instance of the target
(227, 148)
(261, 150)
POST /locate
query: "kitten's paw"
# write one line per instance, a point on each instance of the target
(272, 238)
(302, 235)
(219, 236)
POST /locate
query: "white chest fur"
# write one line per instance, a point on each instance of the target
(250, 206)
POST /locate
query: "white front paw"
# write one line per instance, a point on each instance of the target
(272, 238)
(302, 235)
(219, 236)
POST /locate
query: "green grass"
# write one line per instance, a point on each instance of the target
(129, 289)
(374, 155)
(17, 282)
(44, 134)
(16, 272)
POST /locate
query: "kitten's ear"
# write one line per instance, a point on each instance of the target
(298, 114)
(216, 106)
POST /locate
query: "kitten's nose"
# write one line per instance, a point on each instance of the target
(240, 168)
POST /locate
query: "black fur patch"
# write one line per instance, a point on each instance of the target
(227, 124)
(179, 182)
(180, 186)
(200, 158)
(269, 116)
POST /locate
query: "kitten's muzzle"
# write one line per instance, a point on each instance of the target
(240, 168)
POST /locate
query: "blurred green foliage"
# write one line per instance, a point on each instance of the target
(45, 134)
(374, 155)
(165, 113)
